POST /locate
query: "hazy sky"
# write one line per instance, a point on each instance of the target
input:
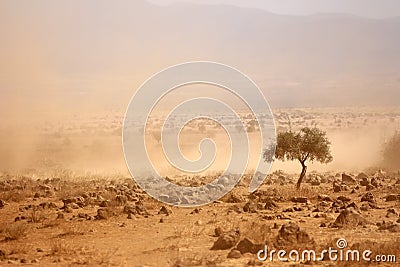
(365, 8)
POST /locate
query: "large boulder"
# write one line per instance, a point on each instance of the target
(248, 246)
(227, 240)
(348, 179)
(349, 217)
(291, 235)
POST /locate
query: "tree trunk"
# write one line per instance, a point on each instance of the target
(303, 173)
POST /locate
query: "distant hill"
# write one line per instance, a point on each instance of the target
(96, 53)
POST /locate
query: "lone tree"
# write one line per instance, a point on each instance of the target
(308, 144)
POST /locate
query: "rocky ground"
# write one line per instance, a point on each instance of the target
(112, 222)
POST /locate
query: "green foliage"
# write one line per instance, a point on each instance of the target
(308, 144)
(391, 152)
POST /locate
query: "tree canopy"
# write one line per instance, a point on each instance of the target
(309, 144)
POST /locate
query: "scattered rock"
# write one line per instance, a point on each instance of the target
(195, 211)
(365, 206)
(250, 207)
(2, 204)
(102, 214)
(290, 234)
(325, 198)
(299, 199)
(391, 227)
(2, 255)
(369, 187)
(137, 209)
(375, 182)
(391, 197)
(344, 198)
(248, 246)
(391, 213)
(234, 254)
(364, 182)
(348, 180)
(218, 231)
(368, 197)
(315, 183)
(233, 197)
(226, 240)
(166, 211)
(349, 217)
(270, 204)
(104, 203)
(364, 179)
(336, 187)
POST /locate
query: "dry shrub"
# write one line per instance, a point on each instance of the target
(59, 247)
(71, 229)
(14, 231)
(36, 216)
(50, 223)
(16, 195)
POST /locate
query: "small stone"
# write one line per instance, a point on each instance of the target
(368, 197)
(344, 198)
(166, 211)
(195, 211)
(250, 207)
(218, 231)
(234, 254)
(102, 214)
(392, 197)
(270, 205)
(104, 203)
(325, 198)
(299, 199)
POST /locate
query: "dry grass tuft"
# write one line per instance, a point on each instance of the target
(14, 231)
